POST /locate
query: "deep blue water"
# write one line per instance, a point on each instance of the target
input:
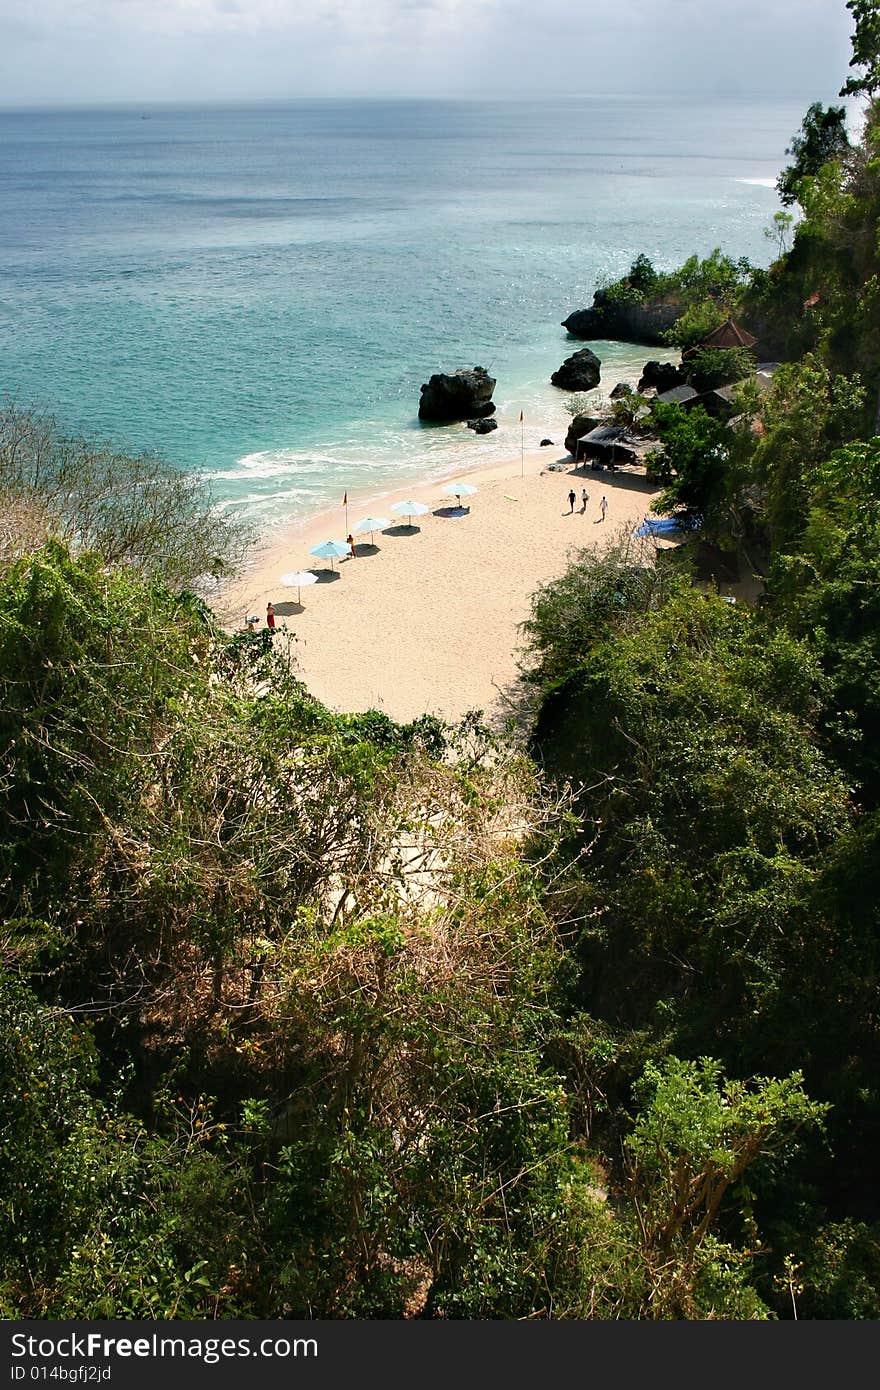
(260, 292)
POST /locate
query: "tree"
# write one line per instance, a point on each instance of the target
(598, 594)
(708, 368)
(642, 275)
(822, 137)
(133, 509)
(866, 48)
(826, 585)
(780, 231)
(693, 461)
(695, 1137)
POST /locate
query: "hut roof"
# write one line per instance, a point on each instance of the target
(728, 335)
(606, 434)
(679, 395)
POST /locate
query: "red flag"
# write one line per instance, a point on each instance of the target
(345, 500)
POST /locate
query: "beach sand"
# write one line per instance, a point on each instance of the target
(427, 620)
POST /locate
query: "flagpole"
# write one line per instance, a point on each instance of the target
(345, 504)
(522, 454)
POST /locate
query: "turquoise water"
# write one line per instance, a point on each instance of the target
(259, 292)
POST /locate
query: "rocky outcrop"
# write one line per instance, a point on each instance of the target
(545, 442)
(580, 372)
(662, 376)
(580, 425)
(483, 425)
(622, 389)
(615, 319)
(463, 395)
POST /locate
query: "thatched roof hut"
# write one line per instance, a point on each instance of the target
(728, 335)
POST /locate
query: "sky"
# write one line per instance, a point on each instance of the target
(96, 51)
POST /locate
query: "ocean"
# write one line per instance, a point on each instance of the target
(259, 292)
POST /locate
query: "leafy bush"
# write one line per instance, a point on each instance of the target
(709, 368)
(137, 509)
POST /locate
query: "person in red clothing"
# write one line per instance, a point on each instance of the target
(270, 615)
(352, 551)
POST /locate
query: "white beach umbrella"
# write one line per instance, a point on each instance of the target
(459, 490)
(298, 580)
(409, 509)
(330, 550)
(371, 524)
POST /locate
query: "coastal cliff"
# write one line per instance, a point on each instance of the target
(623, 320)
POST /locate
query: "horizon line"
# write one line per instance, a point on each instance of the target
(483, 99)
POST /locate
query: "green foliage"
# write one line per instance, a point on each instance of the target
(821, 138)
(695, 324)
(598, 595)
(839, 1276)
(425, 1161)
(642, 275)
(98, 1218)
(807, 413)
(695, 1137)
(827, 588)
(695, 462)
(640, 283)
(383, 1022)
(866, 48)
(91, 660)
(709, 807)
(779, 231)
(133, 509)
(709, 368)
(630, 410)
(717, 279)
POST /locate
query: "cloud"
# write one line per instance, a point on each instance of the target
(225, 49)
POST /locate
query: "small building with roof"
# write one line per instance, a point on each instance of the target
(727, 335)
(684, 396)
(612, 444)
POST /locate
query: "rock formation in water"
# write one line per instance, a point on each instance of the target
(623, 321)
(462, 395)
(580, 372)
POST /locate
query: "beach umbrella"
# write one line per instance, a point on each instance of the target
(409, 509)
(459, 490)
(330, 550)
(371, 524)
(298, 580)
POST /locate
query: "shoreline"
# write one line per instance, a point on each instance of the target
(427, 619)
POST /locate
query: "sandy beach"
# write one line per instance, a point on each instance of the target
(426, 619)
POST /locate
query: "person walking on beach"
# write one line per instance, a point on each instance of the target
(585, 497)
(572, 498)
(350, 539)
(603, 507)
(270, 615)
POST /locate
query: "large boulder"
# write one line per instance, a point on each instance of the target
(663, 376)
(616, 320)
(483, 425)
(463, 395)
(580, 372)
(580, 425)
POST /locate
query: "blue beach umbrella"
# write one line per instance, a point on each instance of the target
(330, 550)
(409, 509)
